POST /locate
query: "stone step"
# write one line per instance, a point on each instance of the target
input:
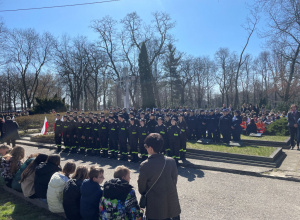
(224, 159)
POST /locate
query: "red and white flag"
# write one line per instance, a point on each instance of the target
(3, 119)
(44, 129)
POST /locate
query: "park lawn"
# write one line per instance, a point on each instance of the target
(245, 150)
(266, 138)
(13, 207)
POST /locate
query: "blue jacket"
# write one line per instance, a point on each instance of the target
(91, 194)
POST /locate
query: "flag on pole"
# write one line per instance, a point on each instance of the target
(3, 119)
(13, 118)
(44, 129)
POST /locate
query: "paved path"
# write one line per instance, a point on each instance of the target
(215, 195)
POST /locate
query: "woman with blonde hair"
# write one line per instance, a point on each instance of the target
(71, 193)
(11, 163)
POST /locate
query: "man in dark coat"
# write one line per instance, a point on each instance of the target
(160, 174)
(10, 130)
(225, 126)
(293, 117)
(58, 129)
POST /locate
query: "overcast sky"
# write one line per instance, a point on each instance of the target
(203, 26)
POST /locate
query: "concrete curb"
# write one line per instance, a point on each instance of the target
(189, 165)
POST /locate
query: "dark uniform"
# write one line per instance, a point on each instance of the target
(192, 124)
(123, 136)
(66, 135)
(212, 126)
(143, 133)
(113, 137)
(58, 129)
(201, 122)
(96, 138)
(174, 141)
(218, 116)
(236, 128)
(79, 141)
(72, 133)
(225, 127)
(133, 141)
(183, 136)
(151, 124)
(88, 136)
(163, 131)
(103, 134)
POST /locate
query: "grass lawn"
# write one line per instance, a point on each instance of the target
(12, 207)
(266, 138)
(246, 150)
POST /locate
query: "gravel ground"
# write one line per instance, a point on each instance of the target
(214, 195)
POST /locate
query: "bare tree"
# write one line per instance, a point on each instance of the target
(29, 52)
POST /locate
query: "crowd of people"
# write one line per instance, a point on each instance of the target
(77, 191)
(123, 133)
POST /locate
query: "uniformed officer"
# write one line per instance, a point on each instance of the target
(236, 126)
(72, 133)
(113, 137)
(151, 123)
(183, 137)
(212, 126)
(225, 126)
(103, 135)
(79, 141)
(163, 131)
(174, 140)
(218, 116)
(133, 140)
(143, 133)
(123, 136)
(66, 136)
(192, 124)
(87, 134)
(58, 129)
(201, 121)
(96, 137)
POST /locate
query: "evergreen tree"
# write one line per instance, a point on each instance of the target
(146, 78)
(170, 66)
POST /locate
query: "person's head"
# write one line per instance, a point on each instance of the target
(69, 168)
(96, 174)
(58, 116)
(40, 158)
(120, 118)
(79, 118)
(102, 118)
(4, 149)
(122, 173)
(65, 118)
(81, 173)
(54, 159)
(159, 121)
(252, 121)
(293, 107)
(86, 119)
(154, 143)
(132, 121)
(18, 153)
(173, 121)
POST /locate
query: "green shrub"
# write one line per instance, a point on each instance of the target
(46, 105)
(278, 128)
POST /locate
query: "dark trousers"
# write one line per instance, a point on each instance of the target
(293, 134)
(123, 147)
(58, 140)
(226, 136)
(175, 145)
(236, 135)
(113, 144)
(201, 133)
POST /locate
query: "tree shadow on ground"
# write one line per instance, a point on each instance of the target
(102, 162)
(190, 173)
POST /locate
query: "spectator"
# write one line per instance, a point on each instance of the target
(261, 128)
(119, 190)
(4, 149)
(27, 177)
(71, 193)
(91, 194)
(251, 127)
(293, 117)
(16, 185)
(11, 163)
(56, 186)
(10, 130)
(157, 180)
(43, 174)
(298, 134)
(269, 120)
(236, 126)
